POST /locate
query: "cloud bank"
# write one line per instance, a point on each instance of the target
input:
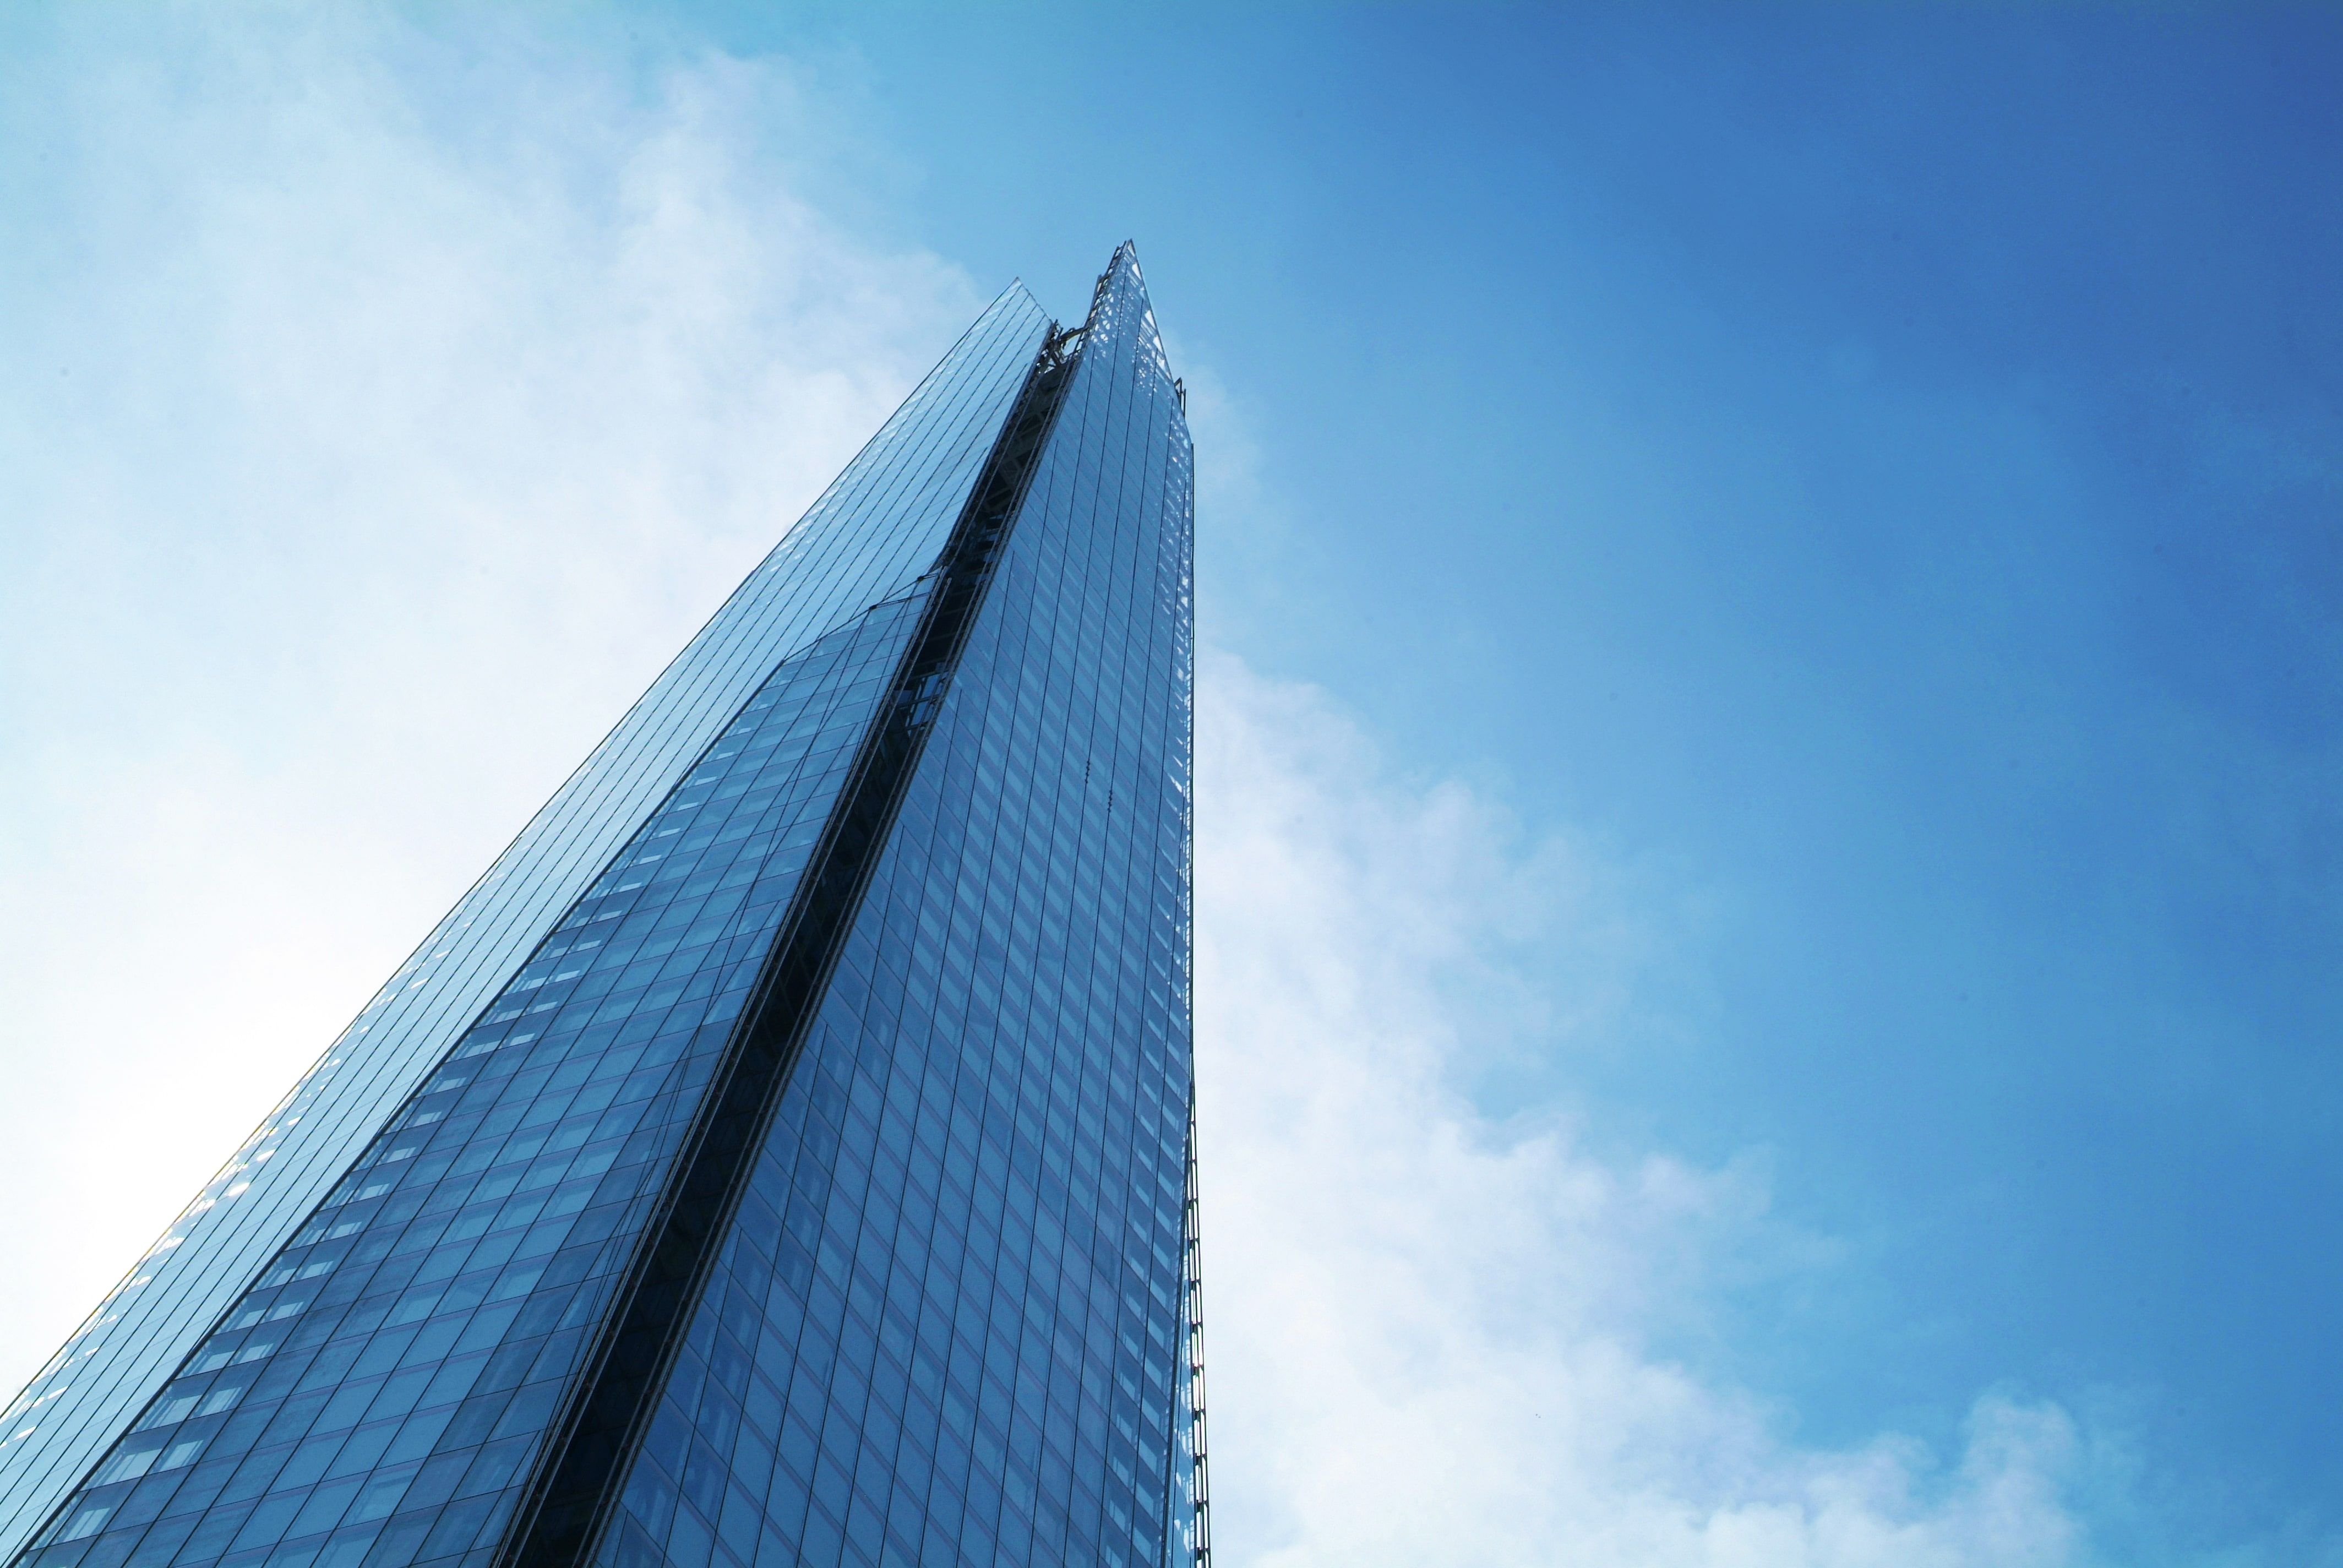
(1427, 1331)
(378, 420)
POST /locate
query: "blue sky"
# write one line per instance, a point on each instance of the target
(1874, 470)
(1789, 556)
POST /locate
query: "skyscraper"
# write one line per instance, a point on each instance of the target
(784, 1152)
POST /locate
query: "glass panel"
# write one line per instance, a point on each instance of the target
(946, 1325)
(946, 1322)
(864, 541)
(413, 1341)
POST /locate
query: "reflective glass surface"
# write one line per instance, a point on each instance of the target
(947, 1323)
(949, 1320)
(389, 1380)
(868, 538)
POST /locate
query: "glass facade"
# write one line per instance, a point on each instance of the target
(867, 539)
(814, 1183)
(946, 1324)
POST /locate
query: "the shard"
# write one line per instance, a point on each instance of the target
(784, 1154)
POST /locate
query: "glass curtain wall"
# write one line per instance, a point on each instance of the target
(947, 1323)
(870, 535)
(383, 1385)
(943, 1319)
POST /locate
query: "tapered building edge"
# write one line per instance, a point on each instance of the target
(562, 1521)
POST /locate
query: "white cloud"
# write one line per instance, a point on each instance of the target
(348, 363)
(1428, 1333)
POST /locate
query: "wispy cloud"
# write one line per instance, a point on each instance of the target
(370, 443)
(1429, 1332)
(378, 416)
